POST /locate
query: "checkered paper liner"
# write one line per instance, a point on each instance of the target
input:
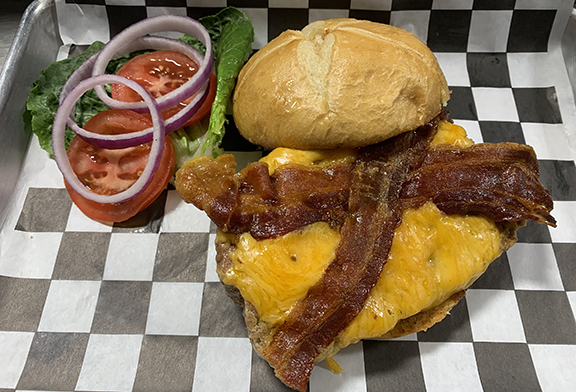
(86, 306)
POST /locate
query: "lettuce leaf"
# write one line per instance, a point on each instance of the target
(232, 35)
(43, 100)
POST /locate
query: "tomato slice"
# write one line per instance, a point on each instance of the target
(160, 73)
(108, 172)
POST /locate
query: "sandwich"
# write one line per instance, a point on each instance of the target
(372, 213)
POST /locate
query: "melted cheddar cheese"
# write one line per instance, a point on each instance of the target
(433, 255)
(449, 133)
(273, 274)
(282, 156)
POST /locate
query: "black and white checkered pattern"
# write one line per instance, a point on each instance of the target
(86, 306)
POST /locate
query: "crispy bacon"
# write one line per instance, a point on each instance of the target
(266, 206)
(497, 180)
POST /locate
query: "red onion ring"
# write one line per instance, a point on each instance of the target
(59, 149)
(125, 140)
(157, 24)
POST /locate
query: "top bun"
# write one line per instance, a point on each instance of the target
(338, 83)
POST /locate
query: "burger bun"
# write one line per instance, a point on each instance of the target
(339, 83)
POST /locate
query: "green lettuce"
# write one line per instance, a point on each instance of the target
(42, 102)
(232, 35)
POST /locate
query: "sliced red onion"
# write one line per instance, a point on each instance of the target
(178, 120)
(59, 149)
(142, 43)
(161, 43)
(157, 24)
(125, 140)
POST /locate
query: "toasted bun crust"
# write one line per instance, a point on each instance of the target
(338, 83)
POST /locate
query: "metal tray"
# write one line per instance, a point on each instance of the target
(35, 47)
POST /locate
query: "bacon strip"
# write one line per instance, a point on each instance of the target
(266, 206)
(497, 180)
(295, 198)
(374, 214)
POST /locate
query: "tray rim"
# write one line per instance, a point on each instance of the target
(13, 142)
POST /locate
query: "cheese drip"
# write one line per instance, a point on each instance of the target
(433, 255)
